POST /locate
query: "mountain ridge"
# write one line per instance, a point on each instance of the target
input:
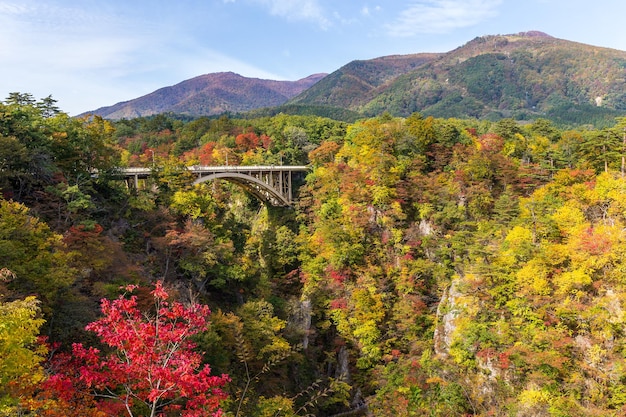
(520, 75)
(526, 75)
(208, 94)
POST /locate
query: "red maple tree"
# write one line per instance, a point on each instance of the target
(150, 366)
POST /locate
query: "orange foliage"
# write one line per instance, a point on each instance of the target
(206, 154)
(79, 235)
(247, 141)
(595, 243)
(491, 143)
(324, 153)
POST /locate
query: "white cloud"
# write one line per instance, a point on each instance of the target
(206, 60)
(73, 54)
(13, 8)
(368, 11)
(306, 10)
(60, 39)
(441, 16)
(91, 57)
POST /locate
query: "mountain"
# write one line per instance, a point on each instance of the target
(210, 94)
(525, 75)
(354, 84)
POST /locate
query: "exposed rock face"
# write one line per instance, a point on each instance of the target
(343, 367)
(425, 228)
(304, 320)
(300, 319)
(447, 312)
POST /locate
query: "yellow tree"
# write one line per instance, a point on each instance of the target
(35, 254)
(20, 352)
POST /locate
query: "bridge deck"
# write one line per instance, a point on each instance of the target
(140, 172)
(270, 183)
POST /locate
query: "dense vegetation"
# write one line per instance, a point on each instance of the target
(210, 94)
(432, 266)
(523, 76)
(356, 82)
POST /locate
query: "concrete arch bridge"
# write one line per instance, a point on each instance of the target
(272, 184)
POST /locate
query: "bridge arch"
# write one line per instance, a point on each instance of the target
(253, 185)
(272, 184)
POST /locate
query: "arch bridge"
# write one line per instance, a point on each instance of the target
(272, 184)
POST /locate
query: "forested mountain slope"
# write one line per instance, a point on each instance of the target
(210, 94)
(524, 76)
(432, 266)
(355, 83)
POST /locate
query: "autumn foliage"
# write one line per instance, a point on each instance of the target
(438, 267)
(147, 366)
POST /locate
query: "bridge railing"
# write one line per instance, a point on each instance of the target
(142, 171)
(272, 183)
(244, 168)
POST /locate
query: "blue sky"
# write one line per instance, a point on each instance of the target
(93, 53)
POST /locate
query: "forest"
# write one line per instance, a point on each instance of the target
(430, 267)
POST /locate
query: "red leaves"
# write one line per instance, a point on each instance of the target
(491, 143)
(338, 304)
(247, 141)
(595, 243)
(159, 292)
(206, 153)
(79, 234)
(338, 277)
(151, 358)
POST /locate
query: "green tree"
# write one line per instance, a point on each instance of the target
(23, 130)
(35, 255)
(251, 340)
(81, 146)
(620, 130)
(20, 99)
(48, 107)
(602, 149)
(421, 131)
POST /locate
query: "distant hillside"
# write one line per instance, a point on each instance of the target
(523, 76)
(210, 94)
(335, 113)
(354, 84)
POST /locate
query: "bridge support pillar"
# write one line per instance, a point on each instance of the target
(272, 184)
